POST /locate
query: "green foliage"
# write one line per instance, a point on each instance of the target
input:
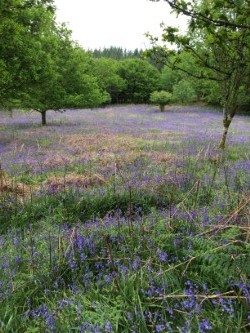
(40, 65)
(81, 86)
(65, 80)
(161, 98)
(183, 92)
(203, 90)
(22, 25)
(208, 91)
(141, 79)
(244, 97)
(169, 78)
(127, 81)
(106, 71)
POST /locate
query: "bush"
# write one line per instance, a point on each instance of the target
(162, 98)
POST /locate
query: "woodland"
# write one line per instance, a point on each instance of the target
(125, 175)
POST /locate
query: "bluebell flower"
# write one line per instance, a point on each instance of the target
(162, 256)
(204, 326)
(108, 327)
(159, 328)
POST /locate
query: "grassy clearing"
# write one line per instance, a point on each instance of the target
(124, 220)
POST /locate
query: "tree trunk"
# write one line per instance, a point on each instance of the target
(230, 105)
(162, 107)
(228, 114)
(226, 124)
(43, 113)
(10, 110)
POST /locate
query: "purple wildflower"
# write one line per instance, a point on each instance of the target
(108, 327)
(204, 326)
(162, 256)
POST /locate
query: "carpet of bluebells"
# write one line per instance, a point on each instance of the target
(124, 219)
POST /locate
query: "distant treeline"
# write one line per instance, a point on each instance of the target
(117, 53)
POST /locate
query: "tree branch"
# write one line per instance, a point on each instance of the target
(201, 17)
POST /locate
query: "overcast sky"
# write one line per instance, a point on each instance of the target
(121, 23)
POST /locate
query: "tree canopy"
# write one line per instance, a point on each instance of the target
(22, 23)
(141, 79)
(106, 70)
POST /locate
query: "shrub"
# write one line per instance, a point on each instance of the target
(162, 98)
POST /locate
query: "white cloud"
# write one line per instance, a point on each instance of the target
(104, 23)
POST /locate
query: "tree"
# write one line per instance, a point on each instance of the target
(218, 39)
(106, 71)
(43, 69)
(65, 79)
(47, 90)
(80, 82)
(21, 25)
(141, 79)
(162, 98)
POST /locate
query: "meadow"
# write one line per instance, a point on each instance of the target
(124, 219)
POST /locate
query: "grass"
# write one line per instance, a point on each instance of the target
(124, 219)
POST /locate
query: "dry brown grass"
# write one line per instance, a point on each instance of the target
(101, 143)
(109, 149)
(76, 180)
(160, 157)
(119, 159)
(57, 160)
(8, 186)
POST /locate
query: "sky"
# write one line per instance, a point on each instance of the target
(122, 23)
